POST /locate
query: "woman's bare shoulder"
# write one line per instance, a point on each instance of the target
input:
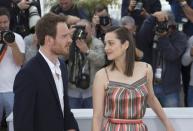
(101, 73)
(143, 65)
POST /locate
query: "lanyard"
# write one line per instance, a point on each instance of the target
(2, 52)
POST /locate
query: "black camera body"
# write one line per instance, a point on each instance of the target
(7, 36)
(83, 81)
(79, 32)
(161, 27)
(104, 20)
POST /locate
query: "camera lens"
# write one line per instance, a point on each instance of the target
(8, 36)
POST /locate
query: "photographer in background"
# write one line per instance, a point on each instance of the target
(139, 9)
(12, 51)
(21, 14)
(101, 21)
(86, 57)
(165, 46)
(68, 7)
(187, 59)
(183, 11)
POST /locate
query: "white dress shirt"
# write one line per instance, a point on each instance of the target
(56, 72)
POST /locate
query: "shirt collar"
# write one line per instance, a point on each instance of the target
(52, 66)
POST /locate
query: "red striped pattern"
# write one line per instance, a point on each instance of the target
(125, 101)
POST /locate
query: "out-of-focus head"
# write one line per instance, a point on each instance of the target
(171, 18)
(101, 10)
(66, 4)
(4, 19)
(119, 44)
(128, 22)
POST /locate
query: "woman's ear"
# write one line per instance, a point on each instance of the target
(126, 44)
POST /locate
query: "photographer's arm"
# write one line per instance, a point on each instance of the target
(17, 55)
(188, 11)
(174, 46)
(18, 49)
(187, 57)
(146, 33)
(23, 4)
(131, 5)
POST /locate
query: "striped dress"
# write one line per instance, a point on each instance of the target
(125, 102)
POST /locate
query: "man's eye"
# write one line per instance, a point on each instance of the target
(111, 43)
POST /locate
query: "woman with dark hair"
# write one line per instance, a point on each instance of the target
(123, 88)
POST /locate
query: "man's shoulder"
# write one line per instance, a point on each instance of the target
(31, 64)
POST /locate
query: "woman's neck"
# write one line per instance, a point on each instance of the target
(120, 65)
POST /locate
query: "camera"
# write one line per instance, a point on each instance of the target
(104, 20)
(83, 81)
(161, 27)
(139, 6)
(33, 16)
(79, 32)
(7, 36)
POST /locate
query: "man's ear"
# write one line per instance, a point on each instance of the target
(48, 39)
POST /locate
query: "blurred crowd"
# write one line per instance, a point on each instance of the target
(164, 39)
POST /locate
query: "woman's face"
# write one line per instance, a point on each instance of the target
(113, 46)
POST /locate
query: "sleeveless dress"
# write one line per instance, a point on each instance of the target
(125, 102)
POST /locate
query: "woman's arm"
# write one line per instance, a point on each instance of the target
(98, 100)
(154, 103)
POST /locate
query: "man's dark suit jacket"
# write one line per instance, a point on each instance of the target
(36, 105)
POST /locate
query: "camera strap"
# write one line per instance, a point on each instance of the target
(2, 51)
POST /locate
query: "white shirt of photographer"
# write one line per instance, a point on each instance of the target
(56, 72)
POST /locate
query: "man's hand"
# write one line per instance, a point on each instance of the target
(24, 4)
(132, 5)
(72, 20)
(160, 16)
(162, 34)
(82, 45)
(144, 13)
(71, 130)
(182, 0)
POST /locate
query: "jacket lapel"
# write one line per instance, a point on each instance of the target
(47, 74)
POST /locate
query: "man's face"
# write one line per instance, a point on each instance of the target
(4, 23)
(102, 14)
(66, 4)
(61, 43)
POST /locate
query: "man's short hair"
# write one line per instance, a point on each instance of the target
(127, 20)
(100, 7)
(171, 18)
(47, 26)
(4, 11)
